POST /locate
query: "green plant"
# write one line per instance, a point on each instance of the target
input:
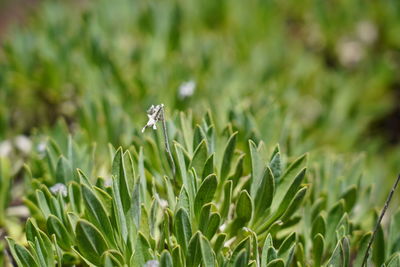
(232, 202)
(77, 76)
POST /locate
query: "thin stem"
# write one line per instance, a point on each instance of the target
(380, 220)
(166, 140)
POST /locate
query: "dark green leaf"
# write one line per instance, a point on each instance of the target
(257, 168)
(142, 250)
(362, 249)
(90, 241)
(241, 259)
(227, 199)
(318, 226)
(265, 192)
(228, 156)
(63, 171)
(291, 174)
(264, 254)
(350, 198)
(213, 225)
(166, 259)
(96, 212)
(183, 229)
(318, 249)
(276, 263)
(207, 253)
(193, 256)
(208, 167)
(177, 256)
(24, 256)
(119, 172)
(275, 166)
(294, 204)
(337, 257)
(205, 193)
(55, 226)
(287, 244)
(200, 157)
(219, 242)
(244, 206)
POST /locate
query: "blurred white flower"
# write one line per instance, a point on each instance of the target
(59, 188)
(155, 114)
(367, 32)
(5, 148)
(152, 263)
(41, 147)
(349, 52)
(163, 203)
(187, 89)
(23, 143)
(108, 182)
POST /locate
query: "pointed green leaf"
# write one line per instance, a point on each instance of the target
(166, 259)
(199, 157)
(63, 171)
(257, 168)
(287, 243)
(275, 166)
(90, 241)
(362, 249)
(294, 204)
(213, 225)
(183, 229)
(227, 199)
(208, 167)
(207, 253)
(244, 206)
(228, 156)
(119, 172)
(142, 250)
(24, 256)
(241, 259)
(96, 212)
(318, 226)
(264, 254)
(206, 193)
(318, 249)
(265, 192)
(193, 256)
(56, 227)
(276, 263)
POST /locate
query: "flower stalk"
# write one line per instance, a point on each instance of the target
(156, 114)
(389, 198)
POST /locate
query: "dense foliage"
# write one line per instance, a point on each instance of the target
(232, 202)
(274, 114)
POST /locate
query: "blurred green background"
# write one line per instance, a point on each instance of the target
(313, 75)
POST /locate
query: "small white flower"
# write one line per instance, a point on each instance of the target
(108, 182)
(23, 143)
(163, 203)
(41, 147)
(5, 148)
(229, 242)
(350, 52)
(155, 114)
(152, 263)
(187, 89)
(367, 32)
(59, 188)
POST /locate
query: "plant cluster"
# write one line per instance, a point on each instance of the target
(80, 184)
(232, 202)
